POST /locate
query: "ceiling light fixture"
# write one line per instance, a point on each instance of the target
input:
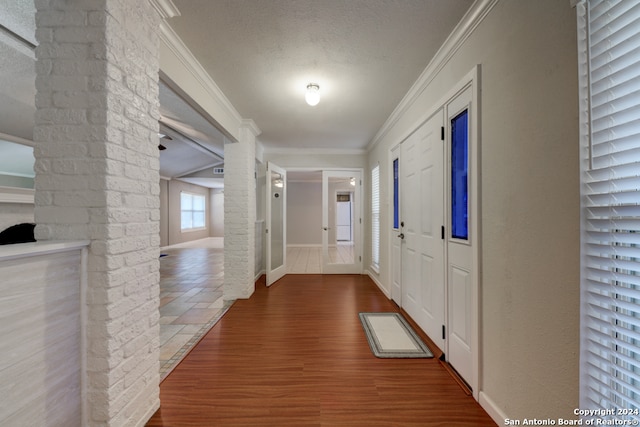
(313, 94)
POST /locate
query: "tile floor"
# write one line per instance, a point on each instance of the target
(191, 278)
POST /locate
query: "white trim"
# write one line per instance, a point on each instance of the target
(17, 195)
(213, 93)
(251, 126)
(474, 16)
(165, 8)
(315, 151)
(32, 249)
(492, 409)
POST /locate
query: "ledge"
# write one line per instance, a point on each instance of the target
(26, 250)
(16, 195)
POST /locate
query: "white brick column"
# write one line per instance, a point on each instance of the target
(240, 213)
(97, 179)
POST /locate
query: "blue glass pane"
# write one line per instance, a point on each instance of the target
(396, 213)
(459, 172)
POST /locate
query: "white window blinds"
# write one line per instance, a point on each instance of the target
(609, 48)
(375, 217)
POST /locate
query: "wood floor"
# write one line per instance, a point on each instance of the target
(295, 354)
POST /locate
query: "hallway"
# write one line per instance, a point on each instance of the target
(295, 354)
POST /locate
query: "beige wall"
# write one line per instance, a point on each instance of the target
(529, 295)
(217, 213)
(304, 213)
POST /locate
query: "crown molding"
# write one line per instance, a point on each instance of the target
(165, 8)
(474, 16)
(251, 126)
(173, 42)
(315, 151)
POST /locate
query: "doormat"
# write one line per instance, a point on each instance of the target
(391, 337)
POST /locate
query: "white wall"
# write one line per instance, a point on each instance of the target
(40, 334)
(304, 213)
(529, 202)
(15, 213)
(216, 212)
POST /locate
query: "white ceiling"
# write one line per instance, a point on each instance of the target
(364, 54)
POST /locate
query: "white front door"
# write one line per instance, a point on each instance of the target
(460, 245)
(422, 219)
(276, 222)
(341, 243)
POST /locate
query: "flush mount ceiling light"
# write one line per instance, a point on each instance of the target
(313, 94)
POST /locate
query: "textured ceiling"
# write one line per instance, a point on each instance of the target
(364, 54)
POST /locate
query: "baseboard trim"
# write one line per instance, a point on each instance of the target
(492, 409)
(378, 284)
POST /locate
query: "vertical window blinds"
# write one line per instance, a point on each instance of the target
(609, 52)
(375, 216)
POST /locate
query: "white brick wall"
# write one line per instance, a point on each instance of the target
(240, 214)
(97, 178)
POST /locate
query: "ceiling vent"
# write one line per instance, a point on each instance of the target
(218, 171)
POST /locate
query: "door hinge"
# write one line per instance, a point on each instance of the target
(442, 232)
(360, 258)
(443, 333)
(442, 133)
(360, 220)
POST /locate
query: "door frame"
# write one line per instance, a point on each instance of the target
(357, 206)
(472, 80)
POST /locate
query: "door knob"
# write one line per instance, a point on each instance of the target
(401, 235)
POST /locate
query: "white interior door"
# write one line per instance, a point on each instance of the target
(460, 246)
(276, 222)
(422, 219)
(341, 256)
(396, 229)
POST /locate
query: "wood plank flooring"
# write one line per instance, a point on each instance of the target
(295, 354)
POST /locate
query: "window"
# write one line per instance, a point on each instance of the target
(459, 176)
(375, 217)
(609, 52)
(396, 195)
(192, 211)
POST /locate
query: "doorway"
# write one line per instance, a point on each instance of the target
(434, 238)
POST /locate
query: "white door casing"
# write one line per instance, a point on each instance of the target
(395, 232)
(461, 275)
(340, 257)
(461, 269)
